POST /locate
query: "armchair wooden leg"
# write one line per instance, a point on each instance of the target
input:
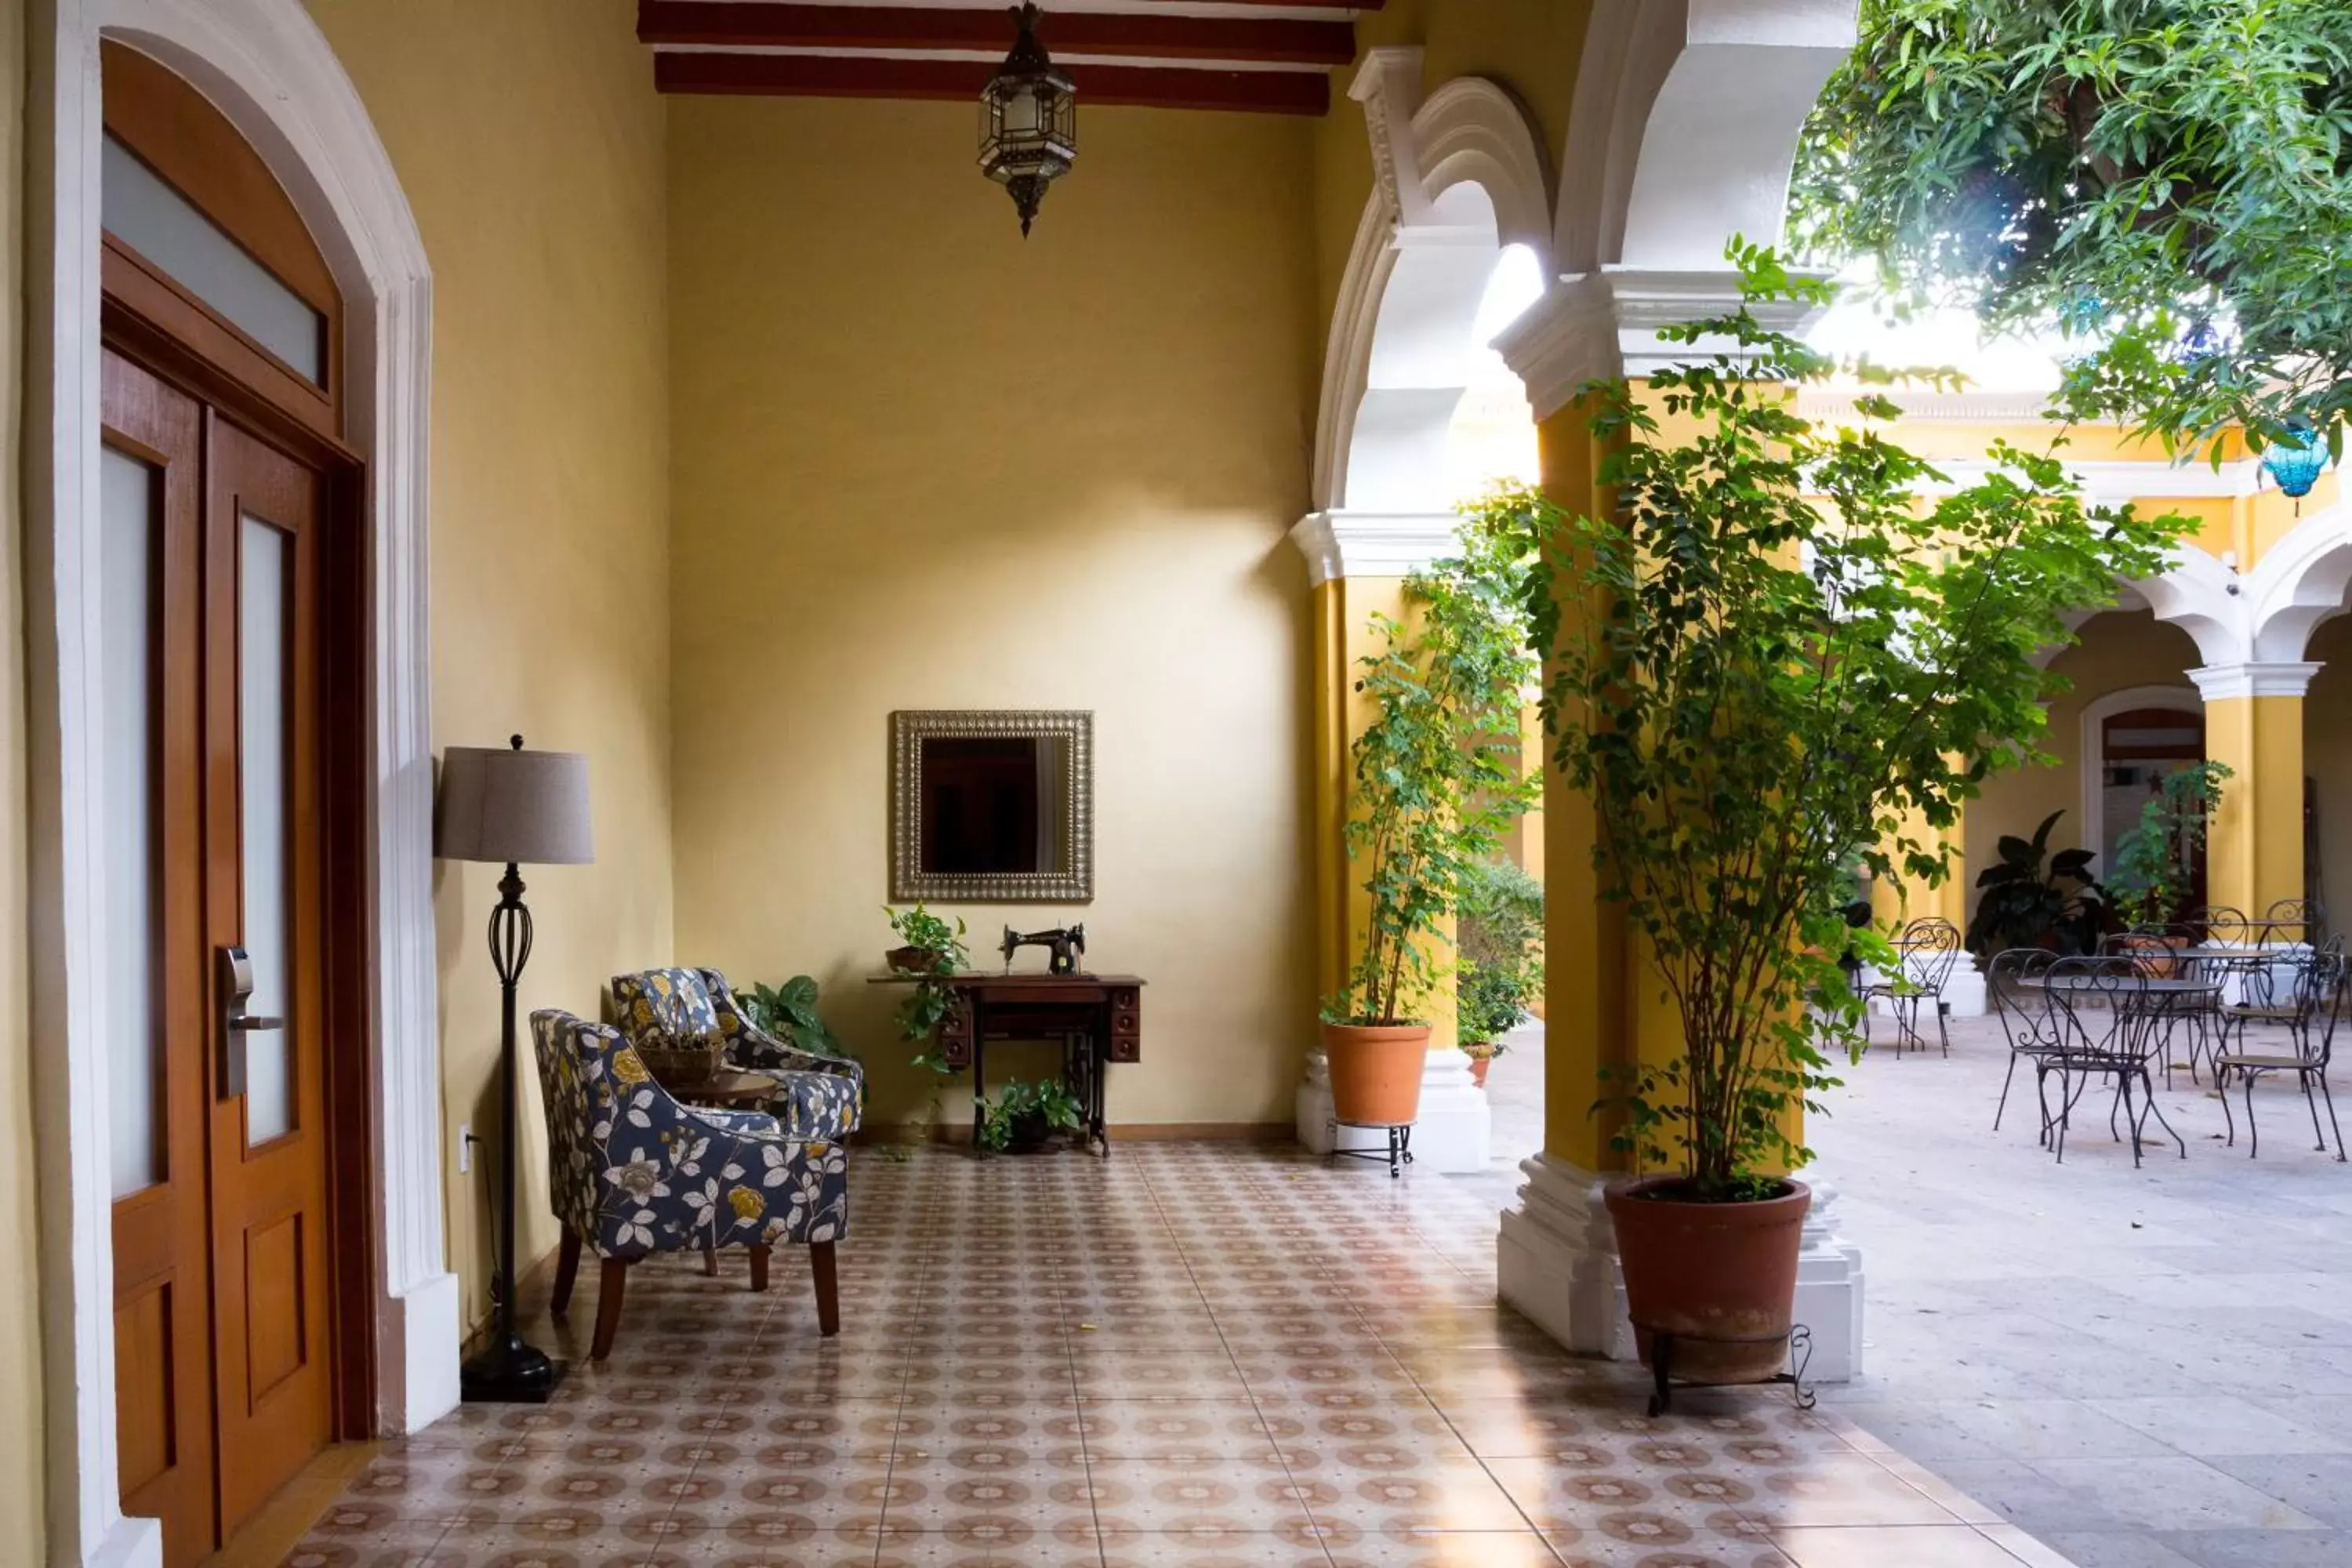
(828, 1289)
(711, 1263)
(759, 1266)
(567, 1272)
(609, 1285)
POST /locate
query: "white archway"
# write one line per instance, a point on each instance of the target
(267, 66)
(1462, 179)
(2304, 579)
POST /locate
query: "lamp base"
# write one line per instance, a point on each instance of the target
(513, 1372)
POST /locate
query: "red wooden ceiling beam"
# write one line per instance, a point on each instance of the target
(850, 76)
(744, 23)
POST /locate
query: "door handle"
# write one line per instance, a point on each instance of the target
(236, 981)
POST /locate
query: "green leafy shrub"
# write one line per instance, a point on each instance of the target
(2153, 873)
(2035, 899)
(1500, 935)
(1769, 649)
(1028, 1114)
(789, 1012)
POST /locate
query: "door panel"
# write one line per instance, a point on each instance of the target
(159, 1038)
(263, 853)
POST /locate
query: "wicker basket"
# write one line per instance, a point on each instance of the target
(684, 1066)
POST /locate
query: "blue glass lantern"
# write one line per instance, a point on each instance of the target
(2296, 459)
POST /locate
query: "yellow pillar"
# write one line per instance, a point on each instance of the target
(1587, 1026)
(2254, 726)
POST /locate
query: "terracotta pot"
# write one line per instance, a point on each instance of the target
(1376, 1071)
(1716, 1272)
(2158, 968)
(1478, 1066)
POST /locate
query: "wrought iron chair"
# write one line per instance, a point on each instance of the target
(2024, 1014)
(2317, 1008)
(817, 1096)
(2111, 1022)
(631, 1172)
(1925, 956)
(2289, 914)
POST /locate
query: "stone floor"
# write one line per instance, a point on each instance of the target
(2144, 1368)
(1193, 1356)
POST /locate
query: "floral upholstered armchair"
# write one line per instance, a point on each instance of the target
(818, 1097)
(631, 1172)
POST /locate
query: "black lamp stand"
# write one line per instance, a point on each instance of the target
(511, 1370)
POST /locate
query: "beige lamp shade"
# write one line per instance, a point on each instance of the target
(504, 806)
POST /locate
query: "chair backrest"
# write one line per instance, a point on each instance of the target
(670, 1007)
(2326, 982)
(2295, 919)
(572, 1053)
(2023, 1012)
(1930, 947)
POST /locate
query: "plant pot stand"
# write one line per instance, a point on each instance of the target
(1399, 1153)
(1662, 1366)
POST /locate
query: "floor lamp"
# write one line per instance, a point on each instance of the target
(516, 808)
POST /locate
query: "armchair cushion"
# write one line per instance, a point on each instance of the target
(669, 1007)
(632, 1172)
(821, 1096)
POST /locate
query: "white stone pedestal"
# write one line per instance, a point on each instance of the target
(1453, 1134)
(1557, 1262)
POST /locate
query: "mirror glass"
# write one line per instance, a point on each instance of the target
(992, 806)
(995, 805)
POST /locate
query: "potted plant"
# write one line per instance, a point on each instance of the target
(1500, 930)
(2155, 859)
(931, 956)
(1766, 651)
(1026, 1117)
(928, 945)
(2035, 899)
(789, 1012)
(1436, 778)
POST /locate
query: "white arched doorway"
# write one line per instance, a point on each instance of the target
(264, 64)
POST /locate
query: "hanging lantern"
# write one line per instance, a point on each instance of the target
(1028, 119)
(2296, 459)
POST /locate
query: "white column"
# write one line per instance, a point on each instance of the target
(1453, 1134)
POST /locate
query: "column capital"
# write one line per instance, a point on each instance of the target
(1342, 543)
(2220, 682)
(1592, 326)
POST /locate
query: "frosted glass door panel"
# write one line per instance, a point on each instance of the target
(128, 506)
(265, 558)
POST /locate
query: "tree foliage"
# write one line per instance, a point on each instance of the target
(1769, 660)
(2170, 181)
(1436, 773)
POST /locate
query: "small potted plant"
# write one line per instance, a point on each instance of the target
(1500, 933)
(1766, 651)
(1026, 1117)
(2152, 879)
(928, 945)
(1436, 779)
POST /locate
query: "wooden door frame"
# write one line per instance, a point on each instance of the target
(264, 64)
(2092, 754)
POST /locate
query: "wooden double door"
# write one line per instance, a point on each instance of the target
(216, 1015)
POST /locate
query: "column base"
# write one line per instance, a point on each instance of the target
(1453, 1134)
(419, 1345)
(1556, 1262)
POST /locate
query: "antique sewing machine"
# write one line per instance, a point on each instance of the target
(1066, 943)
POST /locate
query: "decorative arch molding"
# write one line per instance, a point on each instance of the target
(1685, 125)
(2202, 598)
(265, 65)
(2304, 579)
(1458, 177)
(2184, 698)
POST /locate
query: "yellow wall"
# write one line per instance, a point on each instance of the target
(920, 463)
(2327, 759)
(2118, 649)
(21, 1500)
(530, 143)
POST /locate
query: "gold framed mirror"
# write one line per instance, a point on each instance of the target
(992, 807)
